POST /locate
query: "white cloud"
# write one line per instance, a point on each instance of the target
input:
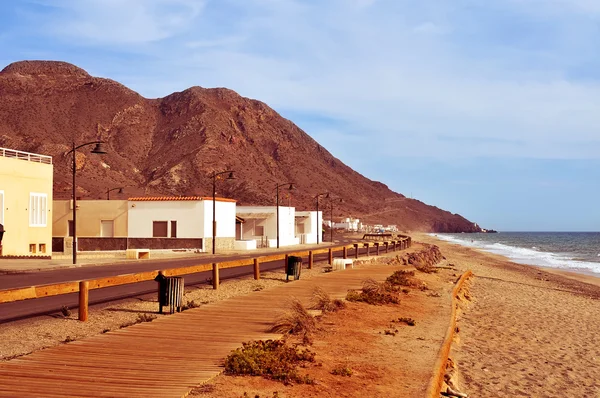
(118, 22)
(457, 78)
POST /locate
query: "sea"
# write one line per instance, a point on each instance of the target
(570, 251)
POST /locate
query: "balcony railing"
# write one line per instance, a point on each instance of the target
(30, 157)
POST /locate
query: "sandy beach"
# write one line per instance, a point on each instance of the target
(528, 331)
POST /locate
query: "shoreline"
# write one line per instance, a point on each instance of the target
(579, 275)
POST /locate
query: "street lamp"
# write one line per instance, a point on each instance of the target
(99, 150)
(108, 191)
(291, 186)
(326, 194)
(331, 201)
(214, 221)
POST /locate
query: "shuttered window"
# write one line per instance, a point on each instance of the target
(38, 209)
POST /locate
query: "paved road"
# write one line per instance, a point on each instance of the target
(28, 308)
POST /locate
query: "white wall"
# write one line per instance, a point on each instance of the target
(188, 215)
(286, 223)
(224, 215)
(311, 227)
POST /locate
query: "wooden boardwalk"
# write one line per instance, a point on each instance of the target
(172, 354)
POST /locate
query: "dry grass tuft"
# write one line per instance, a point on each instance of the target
(322, 301)
(402, 278)
(374, 293)
(295, 320)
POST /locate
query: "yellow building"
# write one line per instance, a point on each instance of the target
(25, 203)
(95, 218)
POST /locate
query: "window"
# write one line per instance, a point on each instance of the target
(159, 229)
(259, 230)
(173, 229)
(32, 248)
(38, 209)
(42, 248)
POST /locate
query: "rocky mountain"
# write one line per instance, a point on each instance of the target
(171, 145)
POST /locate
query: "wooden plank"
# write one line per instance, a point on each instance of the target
(7, 296)
(122, 279)
(57, 289)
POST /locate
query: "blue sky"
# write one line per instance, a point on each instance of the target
(487, 108)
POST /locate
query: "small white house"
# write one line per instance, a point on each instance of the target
(349, 224)
(260, 225)
(183, 217)
(307, 228)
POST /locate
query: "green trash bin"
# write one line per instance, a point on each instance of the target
(293, 267)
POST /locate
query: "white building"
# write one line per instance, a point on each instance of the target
(260, 225)
(183, 217)
(307, 228)
(349, 224)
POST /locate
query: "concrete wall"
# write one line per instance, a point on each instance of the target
(266, 216)
(224, 216)
(194, 219)
(90, 214)
(188, 215)
(18, 179)
(310, 225)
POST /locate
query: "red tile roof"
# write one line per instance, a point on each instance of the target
(177, 198)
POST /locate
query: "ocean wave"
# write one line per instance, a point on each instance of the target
(524, 255)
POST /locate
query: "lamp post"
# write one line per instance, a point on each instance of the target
(326, 194)
(214, 221)
(291, 186)
(108, 191)
(99, 150)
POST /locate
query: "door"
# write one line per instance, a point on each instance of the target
(107, 228)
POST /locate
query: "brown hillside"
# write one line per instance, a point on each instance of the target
(171, 145)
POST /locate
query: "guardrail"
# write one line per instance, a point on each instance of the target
(84, 286)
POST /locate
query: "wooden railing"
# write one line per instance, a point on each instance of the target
(83, 287)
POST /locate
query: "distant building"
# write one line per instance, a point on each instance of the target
(25, 203)
(349, 224)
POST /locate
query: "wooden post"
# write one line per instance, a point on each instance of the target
(387, 246)
(356, 251)
(377, 248)
(330, 256)
(215, 275)
(83, 300)
(367, 245)
(409, 241)
(256, 269)
(310, 259)
(345, 252)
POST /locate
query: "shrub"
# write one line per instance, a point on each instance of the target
(322, 301)
(402, 278)
(408, 321)
(342, 371)
(272, 359)
(295, 320)
(374, 293)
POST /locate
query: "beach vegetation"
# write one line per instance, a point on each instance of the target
(342, 371)
(272, 359)
(294, 320)
(322, 301)
(402, 278)
(374, 293)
